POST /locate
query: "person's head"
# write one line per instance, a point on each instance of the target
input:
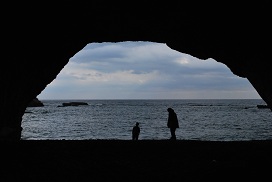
(137, 124)
(170, 109)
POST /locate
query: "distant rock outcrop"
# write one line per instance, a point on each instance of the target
(263, 106)
(73, 104)
(35, 103)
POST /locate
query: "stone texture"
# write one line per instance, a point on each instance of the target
(38, 41)
(35, 103)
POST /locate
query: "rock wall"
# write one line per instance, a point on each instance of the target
(38, 42)
(35, 103)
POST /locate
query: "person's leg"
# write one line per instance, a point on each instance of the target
(173, 135)
(171, 131)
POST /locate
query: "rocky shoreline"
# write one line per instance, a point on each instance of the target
(142, 160)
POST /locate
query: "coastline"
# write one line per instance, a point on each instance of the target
(125, 160)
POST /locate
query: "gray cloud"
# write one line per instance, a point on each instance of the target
(143, 70)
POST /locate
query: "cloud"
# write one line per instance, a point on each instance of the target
(144, 70)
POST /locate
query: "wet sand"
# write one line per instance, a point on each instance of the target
(142, 160)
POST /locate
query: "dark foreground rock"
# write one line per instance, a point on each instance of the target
(143, 160)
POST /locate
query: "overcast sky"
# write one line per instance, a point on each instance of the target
(144, 70)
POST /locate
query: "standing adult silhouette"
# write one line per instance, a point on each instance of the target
(136, 131)
(172, 123)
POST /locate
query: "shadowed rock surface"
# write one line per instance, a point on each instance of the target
(39, 39)
(237, 36)
(142, 160)
(35, 103)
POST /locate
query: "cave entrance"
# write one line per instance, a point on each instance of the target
(129, 82)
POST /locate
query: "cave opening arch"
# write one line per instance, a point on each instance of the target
(112, 62)
(66, 33)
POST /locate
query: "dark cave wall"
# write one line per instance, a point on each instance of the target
(34, 52)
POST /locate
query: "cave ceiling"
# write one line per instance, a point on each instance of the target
(39, 40)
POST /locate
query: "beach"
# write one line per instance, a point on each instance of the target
(142, 160)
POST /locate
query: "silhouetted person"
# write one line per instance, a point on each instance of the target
(136, 131)
(172, 123)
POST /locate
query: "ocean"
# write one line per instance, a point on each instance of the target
(201, 119)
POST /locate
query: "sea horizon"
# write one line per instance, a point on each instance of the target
(113, 119)
(157, 99)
